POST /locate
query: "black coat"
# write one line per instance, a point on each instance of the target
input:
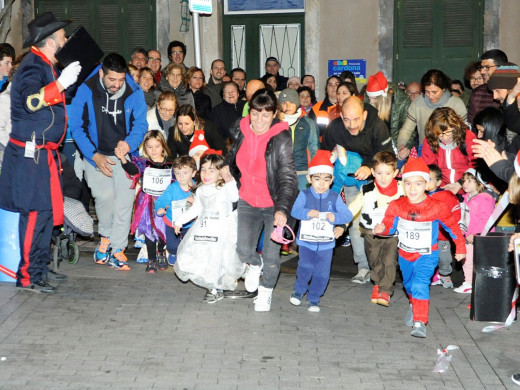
(225, 114)
(202, 103)
(282, 181)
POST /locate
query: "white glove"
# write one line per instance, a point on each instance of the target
(69, 75)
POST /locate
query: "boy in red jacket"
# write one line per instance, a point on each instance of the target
(416, 217)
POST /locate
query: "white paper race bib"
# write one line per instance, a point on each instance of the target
(155, 181)
(317, 230)
(415, 237)
(208, 227)
(178, 208)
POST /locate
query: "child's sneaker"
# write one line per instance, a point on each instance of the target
(383, 299)
(419, 329)
(436, 280)
(296, 299)
(172, 259)
(214, 296)
(375, 294)
(314, 307)
(118, 261)
(464, 288)
(446, 281)
(362, 276)
(161, 261)
(102, 252)
(151, 268)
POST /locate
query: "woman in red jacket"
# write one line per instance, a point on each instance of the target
(448, 144)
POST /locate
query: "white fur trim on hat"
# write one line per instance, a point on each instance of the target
(197, 148)
(321, 169)
(425, 175)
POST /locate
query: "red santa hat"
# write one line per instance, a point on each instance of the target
(377, 85)
(211, 151)
(198, 143)
(321, 163)
(416, 167)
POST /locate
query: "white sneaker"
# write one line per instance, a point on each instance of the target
(464, 288)
(252, 278)
(362, 276)
(263, 299)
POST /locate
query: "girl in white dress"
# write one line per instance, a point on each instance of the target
(207, 255)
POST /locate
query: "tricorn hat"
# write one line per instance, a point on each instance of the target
(43, 26)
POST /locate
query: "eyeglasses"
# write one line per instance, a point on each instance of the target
(152, 59)
(486, 67)
(168, 110)
(447, 133)
(177, 52)
(476, 78)
(410, 93)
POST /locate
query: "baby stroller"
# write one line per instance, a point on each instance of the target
(77, 221)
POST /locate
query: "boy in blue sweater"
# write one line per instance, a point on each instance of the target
(319, 209)
(174, 201)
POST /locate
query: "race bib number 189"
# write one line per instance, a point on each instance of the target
(415, 237)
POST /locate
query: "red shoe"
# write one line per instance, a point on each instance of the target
(375, 294)
(383, 299)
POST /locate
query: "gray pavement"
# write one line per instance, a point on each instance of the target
(108, 329)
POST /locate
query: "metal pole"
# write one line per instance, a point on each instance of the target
(196, 38)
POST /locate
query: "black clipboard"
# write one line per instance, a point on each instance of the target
(83, 48)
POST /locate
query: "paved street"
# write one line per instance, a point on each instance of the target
(131, 330)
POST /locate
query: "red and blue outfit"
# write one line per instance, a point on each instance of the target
(31, 186)
(417, 268)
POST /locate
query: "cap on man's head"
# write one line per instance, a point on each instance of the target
(377, 85)
(289, 95)
(43, 26)
(272, 59)
(504, 77)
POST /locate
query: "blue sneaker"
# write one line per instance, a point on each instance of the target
(102, 252)
(118, 261)
(172, 259)
(346, 242)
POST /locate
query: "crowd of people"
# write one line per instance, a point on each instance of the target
(214, 172)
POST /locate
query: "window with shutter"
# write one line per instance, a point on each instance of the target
(442, 34)
(117, 25)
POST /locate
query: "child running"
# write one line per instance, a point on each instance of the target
(373, 201)
(318, 208)
(442, 276)
(175, 201)
(207, 255)
(416, 217)
(154, 172)
(477, 207)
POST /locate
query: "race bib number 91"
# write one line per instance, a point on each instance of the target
(415, 237)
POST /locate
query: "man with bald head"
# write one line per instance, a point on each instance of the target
(358, 129)
(251, 87)
(413, 90)
(154, 63)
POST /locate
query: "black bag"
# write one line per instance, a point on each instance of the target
(493, 278)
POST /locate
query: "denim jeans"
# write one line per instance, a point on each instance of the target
(251, 220)
(358, 242)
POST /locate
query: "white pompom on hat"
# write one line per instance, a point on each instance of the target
(321, 163)
(198, 143)
(416, 167)
(377, 85)
(517, 164)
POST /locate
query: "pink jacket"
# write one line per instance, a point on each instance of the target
(476, 212)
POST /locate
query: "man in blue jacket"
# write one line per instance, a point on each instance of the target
(30, 182)
(108, 112)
